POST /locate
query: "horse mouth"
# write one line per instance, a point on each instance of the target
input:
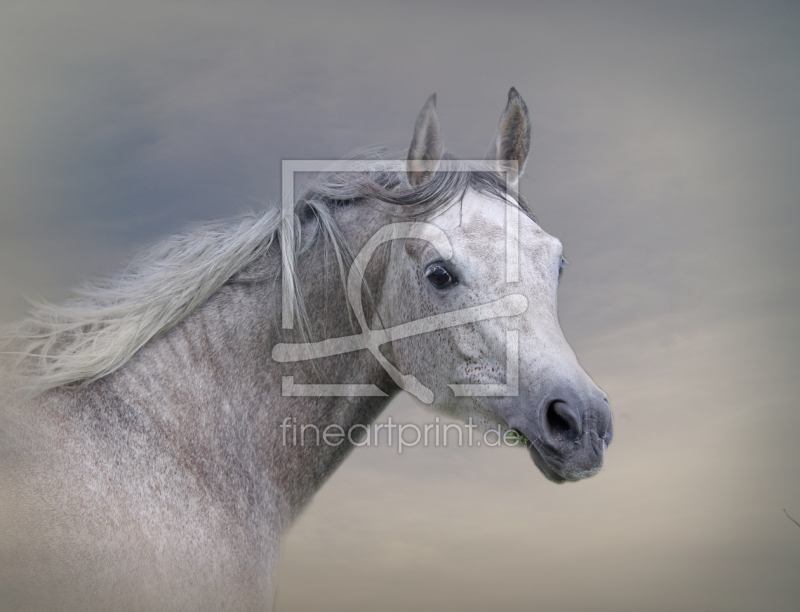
(585, 463)
(543, 466)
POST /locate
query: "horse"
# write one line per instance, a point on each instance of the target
(144, 461)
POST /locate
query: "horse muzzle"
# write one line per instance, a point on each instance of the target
(568, 434)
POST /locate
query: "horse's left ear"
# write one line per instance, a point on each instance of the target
(426, 147)
(512, 142)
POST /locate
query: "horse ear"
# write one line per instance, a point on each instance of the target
(512, 142)
(426, 146)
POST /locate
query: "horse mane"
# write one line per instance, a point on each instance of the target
(106, 321)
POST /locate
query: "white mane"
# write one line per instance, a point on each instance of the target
(108, 320)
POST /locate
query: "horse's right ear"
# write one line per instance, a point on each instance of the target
(426, 147)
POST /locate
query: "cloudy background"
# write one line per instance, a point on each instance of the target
(665, 156)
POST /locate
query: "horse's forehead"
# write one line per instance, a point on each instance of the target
(474, 209)
(480, 210)
(481, 222)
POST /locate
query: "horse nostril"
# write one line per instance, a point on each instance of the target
(562, 422)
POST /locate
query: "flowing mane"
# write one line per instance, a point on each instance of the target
(106, 321)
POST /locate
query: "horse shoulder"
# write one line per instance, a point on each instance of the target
(99, 507)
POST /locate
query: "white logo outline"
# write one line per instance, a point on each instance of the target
(370, 339)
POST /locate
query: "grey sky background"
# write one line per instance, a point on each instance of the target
(666, 140)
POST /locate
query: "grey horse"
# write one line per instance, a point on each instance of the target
(144, 462)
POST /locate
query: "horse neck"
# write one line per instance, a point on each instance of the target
(212, 384)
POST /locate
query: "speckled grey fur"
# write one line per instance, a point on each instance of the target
(160, 480)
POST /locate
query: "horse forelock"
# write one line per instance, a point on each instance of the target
(386, 183)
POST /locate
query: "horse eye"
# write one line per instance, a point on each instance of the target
(440, 277)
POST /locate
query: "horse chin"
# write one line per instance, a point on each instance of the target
(544, 468)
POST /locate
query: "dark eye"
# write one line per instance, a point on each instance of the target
(440, 277)
(562, 264)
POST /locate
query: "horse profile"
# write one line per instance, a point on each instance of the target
(143, 454)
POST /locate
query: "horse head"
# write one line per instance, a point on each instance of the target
(509, 366)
